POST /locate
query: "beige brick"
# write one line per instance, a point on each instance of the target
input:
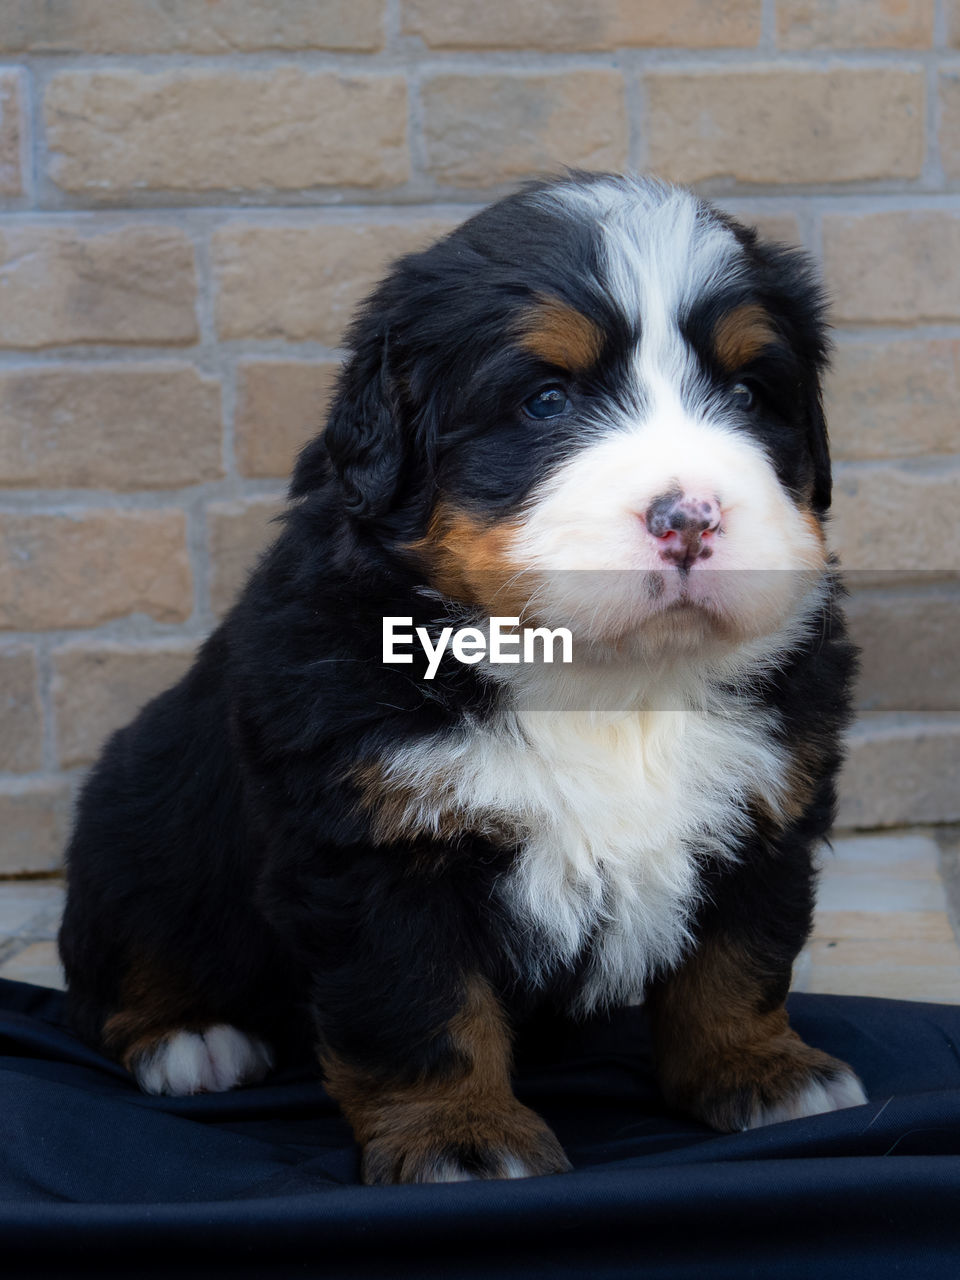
(100, 688)
(113, 133)
(189, 26)
(901, 770)
(897, 266)
(851, 24)
(83, 569)
(786, 124)
(781, 228)
(910, 659)
(953, 22)
(128, 426)
(239, 532)
(498, 24)
(59, 285)
(281, 404)
(21, 717)
(303, 283)
(573, 25)
(11, 125)
(485, 129)
(898, 398)
(896, 516)
(950, 123)
(34, 824)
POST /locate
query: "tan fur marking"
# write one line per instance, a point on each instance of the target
(741, 335)
(469, 561)
(561, 335)
(152, 1006)
(805, 763)
(806, 767)
(722, 1050)
(465, 1119)
(397, 811)
(815, 526)
(145, 1045)
(400, 812)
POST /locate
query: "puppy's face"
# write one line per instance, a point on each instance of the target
(596, 404)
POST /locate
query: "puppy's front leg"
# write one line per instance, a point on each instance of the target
(725, 1050)
(454, 1120)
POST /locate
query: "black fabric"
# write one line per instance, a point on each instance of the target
(95, 1177)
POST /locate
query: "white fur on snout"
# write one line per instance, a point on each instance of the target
(819, 1096)
(212, 1061)
(584, 544)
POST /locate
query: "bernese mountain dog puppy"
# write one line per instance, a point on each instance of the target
(595, 406)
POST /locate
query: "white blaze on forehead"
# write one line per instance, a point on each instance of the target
(660, 250)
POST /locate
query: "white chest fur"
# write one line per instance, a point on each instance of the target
(611, 810)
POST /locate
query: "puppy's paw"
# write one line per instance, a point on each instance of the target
(825, 1089)
(211, 1061)
(415, 1145)
(782, 1079)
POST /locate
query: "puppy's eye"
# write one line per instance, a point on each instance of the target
(548, 403)
(742, 396)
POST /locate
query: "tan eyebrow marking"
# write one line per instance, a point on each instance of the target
(561, 335)
(741, 334)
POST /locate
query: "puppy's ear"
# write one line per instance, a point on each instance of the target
(819, 451)
(792, 289)
(363, 442)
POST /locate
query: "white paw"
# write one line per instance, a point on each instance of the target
(843, 1090)
(212, 1061)
(514, 1167)
(449, 1171)
(507, 1166)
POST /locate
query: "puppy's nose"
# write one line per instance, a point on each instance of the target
(683, 526)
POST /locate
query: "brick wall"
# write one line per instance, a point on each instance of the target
(194, 194)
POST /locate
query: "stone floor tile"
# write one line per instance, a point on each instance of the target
(879, 893)
(38, 963)
(937, 983)
(25, 904)
(883, 952)
(929, 926)
(909, 857)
